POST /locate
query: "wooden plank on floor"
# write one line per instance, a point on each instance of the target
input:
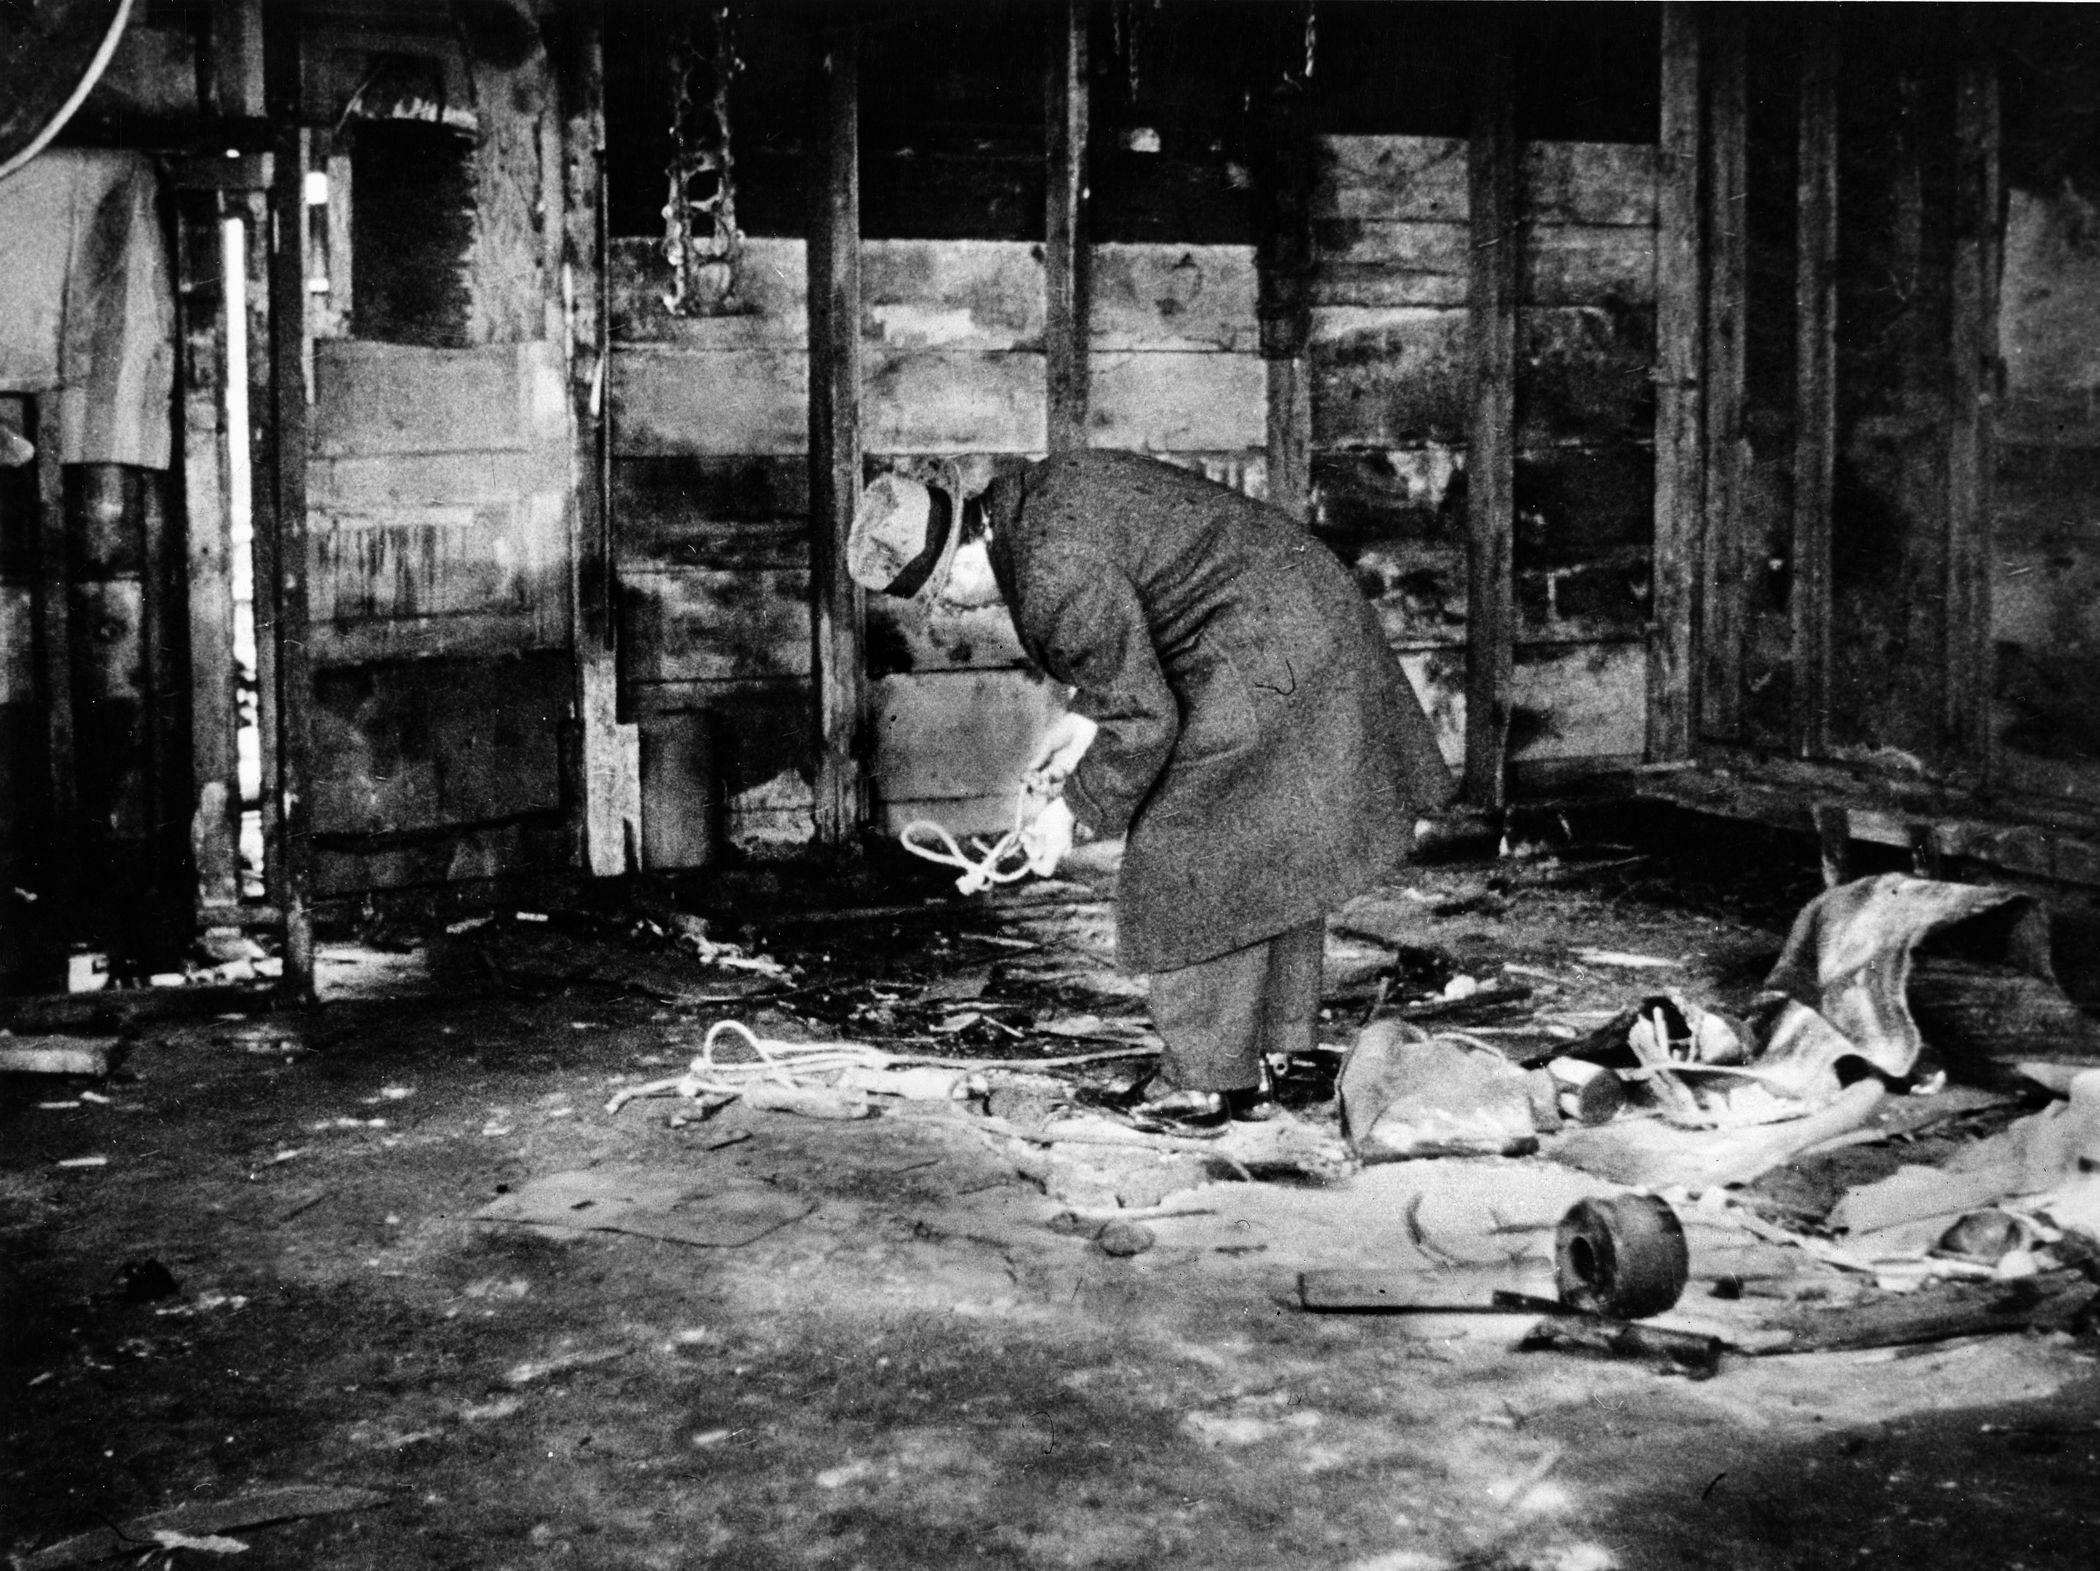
(835, 430)
(1726, 551)
(1491, 158)
(1679, 450)
(1065, 334)
(1815, 384)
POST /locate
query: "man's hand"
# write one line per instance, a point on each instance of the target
(1058, 754)
(1048, 837)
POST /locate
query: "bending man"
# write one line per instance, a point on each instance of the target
(1235, 712)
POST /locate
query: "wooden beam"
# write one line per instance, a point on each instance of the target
(1972, 402)
(1680, 457)
(55, 663)
(1289, 453)
(835, 436)
(1491, 164)
(1725, 552)
(1284, 176)
(1833, 842)
(283, 75)
(207, 533)
(1815, 380)
(233, 65)
(1065, 325)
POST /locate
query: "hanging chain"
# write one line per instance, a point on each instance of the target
(1312, 34)
(700, 232)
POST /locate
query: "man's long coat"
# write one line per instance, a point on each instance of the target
(1259, 743)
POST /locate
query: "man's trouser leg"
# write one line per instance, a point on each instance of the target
(1219, 1016)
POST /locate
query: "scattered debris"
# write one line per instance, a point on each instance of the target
(58, 1055)
(1123, 1239)
(714, 1213)
(1404, 1094)
(536, 1369)
(202, 1519)
(1624, 1256)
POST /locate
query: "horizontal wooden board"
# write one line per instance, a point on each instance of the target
(2050, 418)
(1367, 262)
(1178, 402)
(1172, 297)
(1424, 178)
(951, 294)
(440, 580)
(18, 671)
(1390, 378)
(950, 401)
(694, 624)
(418, 746)
(449, 856)
(910, 636)
(1569, 702)
(662, 496)
(755, 401)
(2045, 496)
(957, 735)
(1401, 377)
(385, 482)
(373, 398)
(709, 403)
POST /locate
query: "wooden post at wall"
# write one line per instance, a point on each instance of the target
(1680, 489)
(1972, 401)
(834, 436)
(1066, 317)
(207, 533)
(1815, 384)
(606, 779)
(55, 674)
(1724, 553)
(283, 75)
(1491, 161)
(1284, 267)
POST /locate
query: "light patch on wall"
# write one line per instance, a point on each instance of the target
(923, 327)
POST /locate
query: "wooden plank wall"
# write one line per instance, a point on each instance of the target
(1390, 407)
(710, 488)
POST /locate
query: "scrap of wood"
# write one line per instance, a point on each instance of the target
(1940, 1314)
(57, 1056)
(202, 1518)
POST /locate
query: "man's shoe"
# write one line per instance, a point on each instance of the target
(1254, 1105)
(1180, 1113)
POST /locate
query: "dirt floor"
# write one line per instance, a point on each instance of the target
(759, 1339)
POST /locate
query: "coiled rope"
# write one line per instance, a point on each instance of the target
(990, 866)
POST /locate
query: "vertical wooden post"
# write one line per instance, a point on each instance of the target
(834, 435)
(1067, 309)
(55, 673)
(1284, 267)
(1972, 402)
(283, 74)
(1491, 163)
(1815, 386)
(1724, 551)
(235, 59)
(607, 766)
(262, 515)
(207, 533)
(1833, 824)
(1680, 490)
